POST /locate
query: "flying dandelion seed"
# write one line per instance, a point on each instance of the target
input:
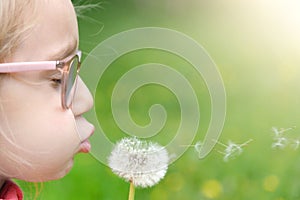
(295, 144)
(232, 150)
(196, 146)
(281, 140)
(277, 132)
(140, 162)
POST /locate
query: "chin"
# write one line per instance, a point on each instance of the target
(43, 174)
(61, 173)
(66, 169)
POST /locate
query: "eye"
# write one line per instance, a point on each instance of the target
(56, 82)
(55, 79)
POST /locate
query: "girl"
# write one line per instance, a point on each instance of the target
(41, 97)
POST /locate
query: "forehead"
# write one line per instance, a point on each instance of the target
(54, 34)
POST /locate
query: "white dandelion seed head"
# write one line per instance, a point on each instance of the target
(140, 162)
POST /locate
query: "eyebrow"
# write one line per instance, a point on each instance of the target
(69, 49)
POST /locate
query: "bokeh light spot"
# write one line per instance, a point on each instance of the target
(270, 183)
(212, 189)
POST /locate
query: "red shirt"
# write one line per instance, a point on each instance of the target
(11, 191)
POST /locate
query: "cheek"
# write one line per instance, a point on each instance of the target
(38, 138)
(44, 136)
(47, 131)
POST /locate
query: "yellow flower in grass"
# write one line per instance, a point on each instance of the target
(270, 183)
(212, 189)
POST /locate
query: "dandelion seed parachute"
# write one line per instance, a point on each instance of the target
(141, 162)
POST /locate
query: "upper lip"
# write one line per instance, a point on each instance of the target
(90, 134)
(88, 128)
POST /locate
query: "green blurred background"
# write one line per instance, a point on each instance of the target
(256, 46)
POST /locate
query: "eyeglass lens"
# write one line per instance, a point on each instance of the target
(71, 80)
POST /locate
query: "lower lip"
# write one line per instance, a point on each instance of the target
(85, 147)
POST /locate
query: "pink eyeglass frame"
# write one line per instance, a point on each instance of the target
(63, 66)
(36, 65)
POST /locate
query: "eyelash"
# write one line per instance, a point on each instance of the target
(56, 82)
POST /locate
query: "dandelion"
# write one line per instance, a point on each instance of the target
(141, 163)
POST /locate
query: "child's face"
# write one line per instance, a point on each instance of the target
(36, 127)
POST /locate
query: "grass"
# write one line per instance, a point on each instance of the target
(261, 82)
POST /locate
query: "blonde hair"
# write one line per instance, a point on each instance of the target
(14, 22)
(16, 19)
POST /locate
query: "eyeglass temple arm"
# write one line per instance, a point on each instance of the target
(27, 66)
(31, 66)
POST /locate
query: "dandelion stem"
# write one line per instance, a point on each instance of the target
(131, 191)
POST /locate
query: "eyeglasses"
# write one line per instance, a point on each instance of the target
(69, 67)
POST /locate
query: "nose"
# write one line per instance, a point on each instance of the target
(83, 99)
